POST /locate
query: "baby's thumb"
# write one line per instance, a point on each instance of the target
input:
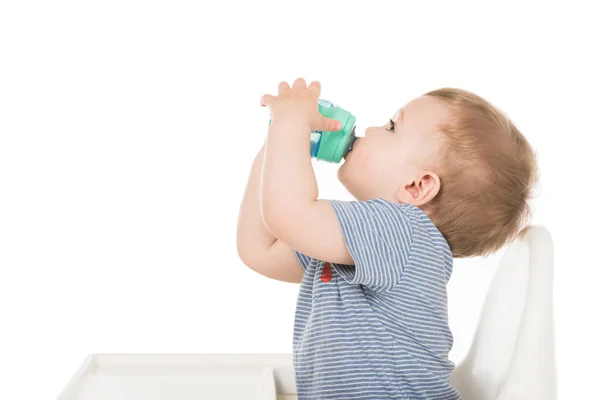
(266, 100)
(328, 125)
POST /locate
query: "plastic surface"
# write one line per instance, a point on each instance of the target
(183, 377)
(333, 146)
(511, 356)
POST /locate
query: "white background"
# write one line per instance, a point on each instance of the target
(127, 133)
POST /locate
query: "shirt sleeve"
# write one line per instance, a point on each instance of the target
(303, 259)
(378, 235)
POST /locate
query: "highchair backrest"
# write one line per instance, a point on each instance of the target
(512, 353)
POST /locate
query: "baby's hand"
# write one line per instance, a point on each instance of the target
(299, 105)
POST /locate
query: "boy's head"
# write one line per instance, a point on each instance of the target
(459, 159)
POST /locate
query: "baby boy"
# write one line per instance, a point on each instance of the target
(448, 176)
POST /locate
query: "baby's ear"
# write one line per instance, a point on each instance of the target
(421, 190)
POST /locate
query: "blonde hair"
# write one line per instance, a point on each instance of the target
(487, 173)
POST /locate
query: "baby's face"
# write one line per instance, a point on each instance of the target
(386, 160)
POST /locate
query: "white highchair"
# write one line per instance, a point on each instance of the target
(511, 356)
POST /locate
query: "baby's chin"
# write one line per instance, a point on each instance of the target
(347, 167)
(341, 172)
(345, 178)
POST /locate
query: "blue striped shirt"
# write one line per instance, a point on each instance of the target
(377, 329)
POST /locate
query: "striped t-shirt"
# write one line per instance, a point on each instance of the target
(377, 329)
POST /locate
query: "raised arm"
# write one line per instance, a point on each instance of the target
(289, 201)
(257, 247)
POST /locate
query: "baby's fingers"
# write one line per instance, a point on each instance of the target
(328, 124)
(266, 100)
(315, 86)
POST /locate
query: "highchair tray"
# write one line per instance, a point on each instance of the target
(183, 377)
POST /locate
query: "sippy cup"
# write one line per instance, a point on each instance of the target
(333, 146)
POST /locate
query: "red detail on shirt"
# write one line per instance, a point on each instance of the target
(326, 274)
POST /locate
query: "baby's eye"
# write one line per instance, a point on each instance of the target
(391, 128)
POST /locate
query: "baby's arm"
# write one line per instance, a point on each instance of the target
(374, 235)
(256, 247)
(289, 201)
